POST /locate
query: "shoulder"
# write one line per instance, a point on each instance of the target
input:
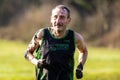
(40, 33)
(80, 43)
(78, 37)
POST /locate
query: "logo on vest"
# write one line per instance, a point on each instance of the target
(55, 47)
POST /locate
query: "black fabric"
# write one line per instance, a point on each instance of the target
(79, 73)
(58, 54)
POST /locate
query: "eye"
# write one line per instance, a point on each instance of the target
(55, 17)
(62, 17)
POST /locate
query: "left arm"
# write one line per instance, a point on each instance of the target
(82, 49)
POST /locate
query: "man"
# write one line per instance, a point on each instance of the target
(55, 47)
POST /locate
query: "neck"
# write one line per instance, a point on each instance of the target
(58, 33)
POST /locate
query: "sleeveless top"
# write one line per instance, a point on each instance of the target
(59, 54)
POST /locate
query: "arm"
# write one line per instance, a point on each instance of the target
(82, 49)
(32, 46)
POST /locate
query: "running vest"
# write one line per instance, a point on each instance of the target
(58, 53)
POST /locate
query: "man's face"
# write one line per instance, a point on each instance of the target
(59, 19)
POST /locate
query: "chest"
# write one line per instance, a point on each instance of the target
(58, 45)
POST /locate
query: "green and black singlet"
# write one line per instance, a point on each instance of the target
(58, 54)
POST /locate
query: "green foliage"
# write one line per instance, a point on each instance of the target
(96, 20)
(102, 63)
(84, 3)
(12, 8)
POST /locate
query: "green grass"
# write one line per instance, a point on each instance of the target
(13, 66)
(102, 63)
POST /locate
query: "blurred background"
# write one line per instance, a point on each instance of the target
(97, 20)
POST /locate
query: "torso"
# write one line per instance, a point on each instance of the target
(59, 52)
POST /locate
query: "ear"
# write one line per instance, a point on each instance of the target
(51, 19)
(69, 20)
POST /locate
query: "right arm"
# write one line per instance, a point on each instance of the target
(32, 46)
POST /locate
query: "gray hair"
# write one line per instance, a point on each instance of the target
(63, 7)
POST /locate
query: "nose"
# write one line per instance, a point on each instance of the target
(58, 20)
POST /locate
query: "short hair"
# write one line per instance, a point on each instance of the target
(63, 7)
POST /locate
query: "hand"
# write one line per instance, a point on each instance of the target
(79, 69)
(39, 63)
(42, 64)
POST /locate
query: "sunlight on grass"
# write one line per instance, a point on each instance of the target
(102, 63)
(13, 65)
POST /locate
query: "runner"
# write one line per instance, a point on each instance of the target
(55, 47)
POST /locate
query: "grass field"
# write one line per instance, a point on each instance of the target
(102, 63)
